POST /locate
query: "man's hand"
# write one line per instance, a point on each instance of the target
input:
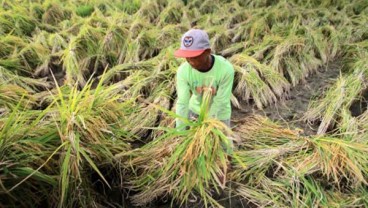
(200, 90)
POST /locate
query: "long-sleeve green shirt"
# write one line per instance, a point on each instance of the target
(190, 81)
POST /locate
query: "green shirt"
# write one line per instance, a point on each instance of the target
(190, 80)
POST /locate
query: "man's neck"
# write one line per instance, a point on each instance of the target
(211, 62)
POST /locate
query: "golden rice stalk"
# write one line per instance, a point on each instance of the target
(259, 28)
(11, 45)
(291, 44)
(150, 10)
(271, 154)
(240, 32)
(208, 7)
(233, 49)
(12, 95)
(197, 154)
(115, 40)
(250, 83)
(137, 26)
(169, 34)
(336, 158)
(171, 14)
(256, 129)
(338, 97)
(55, 13)
(30, 84)
(221, 38)
(238, 17)
(71, 65)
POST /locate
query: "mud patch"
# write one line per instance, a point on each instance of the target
(359, 106)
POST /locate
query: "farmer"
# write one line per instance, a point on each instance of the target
(202, 71)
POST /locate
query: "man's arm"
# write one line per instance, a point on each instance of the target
(223, 94)
(183, 92)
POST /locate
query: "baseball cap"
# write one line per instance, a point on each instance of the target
(193, 43)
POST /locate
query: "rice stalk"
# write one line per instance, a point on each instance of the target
(286, 64)
(89, 123)
(338, 97)
(220, 38)
(287, 169)
(16, 22)
(198, 151)
(71, 64)
(11, 95)
(250, 84)
(24, 146)
(171, 14)
(30, 84)
(11, 45)
(151, 10)
(55, 13)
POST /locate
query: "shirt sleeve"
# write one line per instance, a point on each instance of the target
(223, 95)
(183, 92)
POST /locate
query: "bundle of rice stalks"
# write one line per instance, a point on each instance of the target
(171, 14)
(285, 58)
(144, 46)
(278, 167)
(11, 95)
(11, 45)
(71, 65)
(30, 84)
(136, 26)
(150, 10)
(257, 81)
(55, 13)
(16, 22)
(348, 125)
(149, 116)
(221, 38)
(181, 163)
(169, 35)
(90, 127)
(209, 7)
(130, 6)
(339, 96)
(54, 46)
(362, 122)
(36, 55)
(84, 53)
(25, 167)
(238, 17)
(342, 161)
(114, 42)
(124, 71)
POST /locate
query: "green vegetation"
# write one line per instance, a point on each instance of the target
(87, 94)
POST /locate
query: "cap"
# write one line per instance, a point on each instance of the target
(193, 43)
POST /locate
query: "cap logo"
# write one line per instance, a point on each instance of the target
(188, 41)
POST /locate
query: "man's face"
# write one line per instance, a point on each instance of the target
(201, 62)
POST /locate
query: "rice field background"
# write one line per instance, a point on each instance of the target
(87, 99)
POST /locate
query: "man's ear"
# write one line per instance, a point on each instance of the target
(208, 51)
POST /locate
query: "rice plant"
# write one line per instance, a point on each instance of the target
(338, 97)
(203, 152)
(284, 163)
(89, 126)
(250, 82)
(115, 85)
